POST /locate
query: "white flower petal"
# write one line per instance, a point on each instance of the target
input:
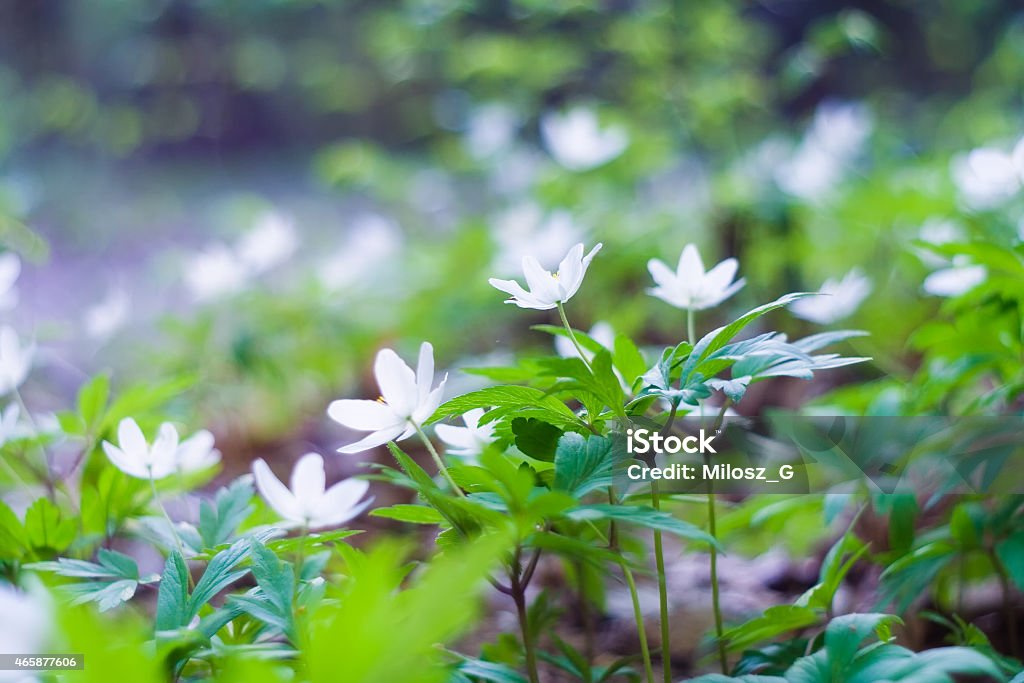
(308, 479)
(397, 382)
(275, 493)
(363, 415)
(375, 439)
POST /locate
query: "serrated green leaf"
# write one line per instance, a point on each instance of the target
(583, 464)
(46, 529)
(172, 610)
(411, 514)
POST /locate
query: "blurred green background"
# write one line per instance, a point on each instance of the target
(259, 194)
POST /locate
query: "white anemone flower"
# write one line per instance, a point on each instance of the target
(690, 287)
(136, 457)
(9, 427)
(309, 503)
(371, 246)
(548, 290)
(577, 141)
(10, 269)
(15, 360)
(215, 272)
(406, 401)
(26, 626)
(469, 441)
(837, 299)
(986, 177)
(955, 280)
(107, 316)
(270, 242)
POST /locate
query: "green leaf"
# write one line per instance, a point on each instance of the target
(774, 622)
(13, 540)
(46, 529)
(107, 594)
(492, 672)
(419, 475)
(536, 438)
(273, 576)
(844, 635)
(172, 610)
(529, 402)
(411, 514)
(749, 678)
(1011, 553)
(92, 400)
(219, 520)
(628, 359)
(220, 573)
(718, 338)
(583, 464)
(642, 516)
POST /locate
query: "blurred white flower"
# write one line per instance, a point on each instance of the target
(270, 242)
(15, 360)
(134, 456)
(491, 129)
(372, 241)
(547, 289)
(525, 230)
(986, 177)
(215, 272)
(601, 332)
(197, 452)
(10, 269)
(309, 503)
(406, 401)
(959, 278)
(577, 141)
(837, 299)
(689, 287)
(469, 441)
(937, 231)
(831, 144)
(107, 316)
(9, 427)
(25, 628)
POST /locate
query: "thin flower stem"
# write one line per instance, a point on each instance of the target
(712, 529)
(690, 326)
(659, 561)
(437, 459)
(45, 475)
(167, 518)
(301, 559)
(638, 615)
(519, 582)
(572, 336)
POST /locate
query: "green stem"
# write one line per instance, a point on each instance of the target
(690, 322)
(572, 336)
(712, 529)
(45, 475)
(1008, 612)
(437, 459)
(301, 559)
(659, 561)
(519, 584)
(638, 615)
(167, 518)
